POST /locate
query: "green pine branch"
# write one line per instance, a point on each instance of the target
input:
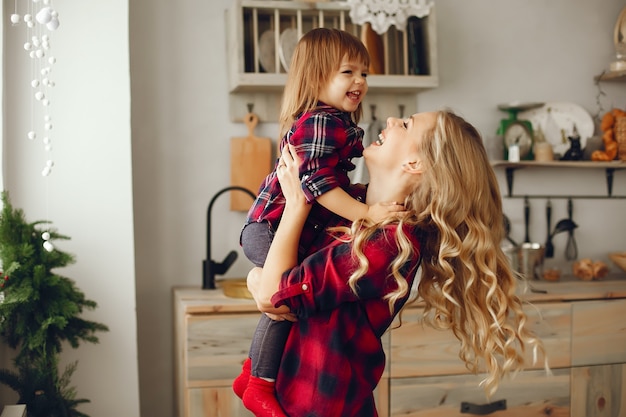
(41, 311)
(45, 393)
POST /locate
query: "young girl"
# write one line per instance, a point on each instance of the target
(346, 294)
(320, 110)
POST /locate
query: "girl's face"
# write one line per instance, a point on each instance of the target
(346, 87)
(397, 143)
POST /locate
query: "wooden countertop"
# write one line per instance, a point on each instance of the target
(194, 300)
(198, 301)
(571, 289)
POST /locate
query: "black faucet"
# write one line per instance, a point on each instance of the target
(209, 267)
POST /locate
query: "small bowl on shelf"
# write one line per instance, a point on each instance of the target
(619, 259)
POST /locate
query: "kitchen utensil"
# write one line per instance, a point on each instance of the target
(531, 256)
(526, 219)
(527, 259)
(564, 225)
(250, 162)
(507, 229)
(549, 253)
(571, 250)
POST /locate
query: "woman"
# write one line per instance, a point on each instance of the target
(346, 295)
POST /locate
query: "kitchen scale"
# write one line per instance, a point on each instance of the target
(515, 131)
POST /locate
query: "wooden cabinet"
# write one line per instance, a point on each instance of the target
(585, 339)
(261, 35)
(580, 323)
(212, 339)
(530, 394)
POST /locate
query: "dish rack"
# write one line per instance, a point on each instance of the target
(262, 35)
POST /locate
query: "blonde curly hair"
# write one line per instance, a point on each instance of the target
(466, 280)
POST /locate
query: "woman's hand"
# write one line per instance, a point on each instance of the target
(288, 173)
(278, 314)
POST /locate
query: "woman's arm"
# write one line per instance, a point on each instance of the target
(275, 313)
(283, 253)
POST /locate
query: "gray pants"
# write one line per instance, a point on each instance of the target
(270, 336)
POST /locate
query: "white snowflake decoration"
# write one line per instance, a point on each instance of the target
(381, 14)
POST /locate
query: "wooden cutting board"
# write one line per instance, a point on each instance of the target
(250, 163)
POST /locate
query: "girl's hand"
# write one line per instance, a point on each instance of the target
(381, 211)
(288, 173)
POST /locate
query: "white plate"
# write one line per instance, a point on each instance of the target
(267, 51)
(287, 44)
(556, 116)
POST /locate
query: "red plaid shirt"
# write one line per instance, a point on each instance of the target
(334, 357)
(326, 140)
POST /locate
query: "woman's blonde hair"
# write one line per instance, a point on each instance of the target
(317, 55)
(466, 280)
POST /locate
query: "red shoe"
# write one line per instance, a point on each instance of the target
(241, 382)
(260, 398)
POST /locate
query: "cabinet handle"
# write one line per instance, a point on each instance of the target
(482, 409)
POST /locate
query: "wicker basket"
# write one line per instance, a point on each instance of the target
(620, 137)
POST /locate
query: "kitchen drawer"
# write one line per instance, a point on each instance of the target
(599, 332)
(530, 393)
(216, 347)
(419, 350)
(215, 402)
(599, 391)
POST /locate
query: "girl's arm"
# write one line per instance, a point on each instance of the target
(317, 138)
(341, 203)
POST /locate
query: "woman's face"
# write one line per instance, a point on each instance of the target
(397, 143)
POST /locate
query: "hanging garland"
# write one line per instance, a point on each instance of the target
(37, 44)
(382, 14)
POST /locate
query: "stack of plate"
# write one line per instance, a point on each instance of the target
(287, 42)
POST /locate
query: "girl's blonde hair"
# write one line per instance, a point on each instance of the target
(466, 280)
(317, 55)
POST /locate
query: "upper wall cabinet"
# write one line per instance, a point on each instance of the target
(262, 35)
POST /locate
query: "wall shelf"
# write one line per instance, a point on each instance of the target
(257, 62)
(609, 168)
(619, 76)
